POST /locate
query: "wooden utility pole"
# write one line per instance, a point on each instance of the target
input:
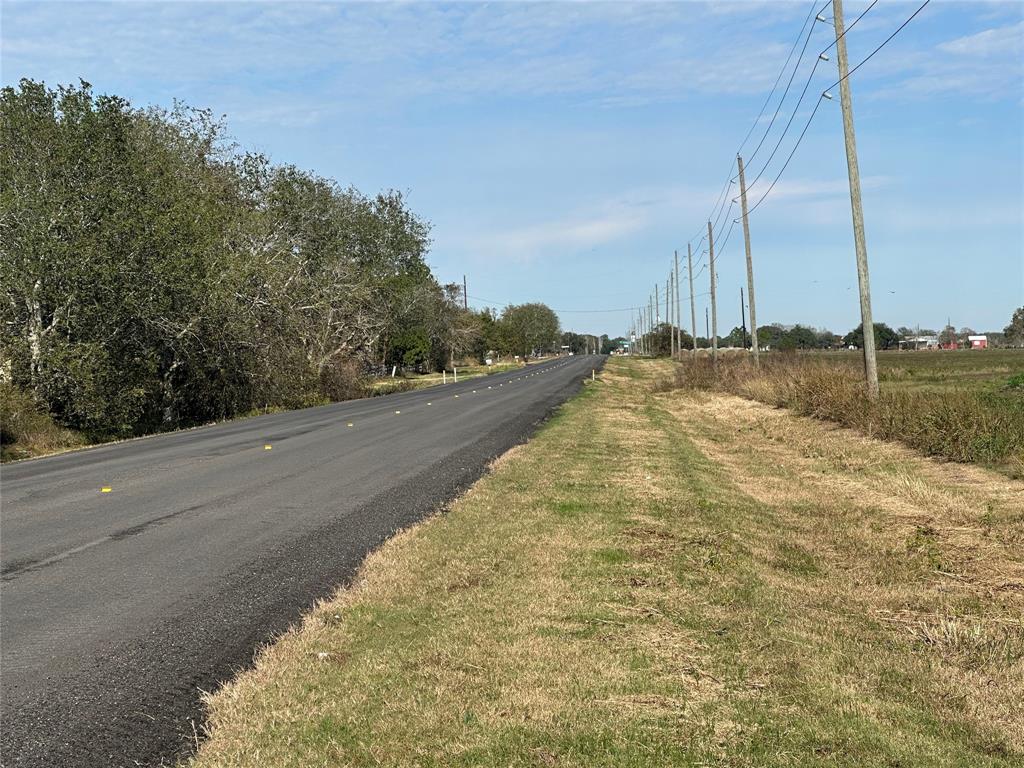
(669, 298)
(465, 294)
(743, 321)
(864, 283)
(668, 316)
(693, 306)
(750, 263)
(679, 320)
(714, 303)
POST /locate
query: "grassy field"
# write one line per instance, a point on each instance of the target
(965, 406)
(987, 370)
(677, 578)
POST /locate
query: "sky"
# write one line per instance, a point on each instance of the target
(564, 151)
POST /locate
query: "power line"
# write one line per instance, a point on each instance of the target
(778, 79)
(822, 97)
(785, 93)
(573, 311)
(803, 93)
(720, 199)
(882, 45)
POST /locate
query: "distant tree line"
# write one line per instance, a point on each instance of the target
(154, 275)
(780, 337)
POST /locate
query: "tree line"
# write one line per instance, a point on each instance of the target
(155, 275)
(780, 337)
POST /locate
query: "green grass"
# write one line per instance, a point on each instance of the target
(665, 579)
(941, 370)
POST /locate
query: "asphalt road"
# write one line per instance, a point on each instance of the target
(118, 608)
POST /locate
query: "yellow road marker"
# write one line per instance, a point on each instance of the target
(267, 447)
(105, 489)
(429, 403)
(349, 424)
(397, 412)
(456, 395)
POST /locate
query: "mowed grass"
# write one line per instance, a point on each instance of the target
(682, 578)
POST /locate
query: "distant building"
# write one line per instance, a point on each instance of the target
(977, 342)
(920, 342)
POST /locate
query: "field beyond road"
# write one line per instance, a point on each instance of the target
(683, 578)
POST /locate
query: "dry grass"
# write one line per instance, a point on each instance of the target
(666, 579)
(26, 431)
(982, 425)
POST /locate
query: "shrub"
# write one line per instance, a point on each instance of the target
(27, 431)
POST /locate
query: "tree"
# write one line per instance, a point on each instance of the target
(154, 276)
(948, 336)
(530, 328)
(825, 339)
(1014, 332)
(770, 336)
(610, 345)
(885, 337)
(736, 338)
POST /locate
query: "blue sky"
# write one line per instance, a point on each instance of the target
(562, 151)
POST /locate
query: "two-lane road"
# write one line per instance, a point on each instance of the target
(117, 607)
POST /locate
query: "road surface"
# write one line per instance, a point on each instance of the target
(117, 607)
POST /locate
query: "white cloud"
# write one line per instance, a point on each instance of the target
(1000, 41)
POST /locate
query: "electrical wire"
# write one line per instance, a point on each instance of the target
(789, 84)
(867, 58)
(803, 93)
(580, 311)
(719, 205)
(822, 97)
(778, 79)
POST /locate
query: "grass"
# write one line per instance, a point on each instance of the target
(678, 578)
(420, 380)
(943, 370)
(27, 431)
(940, 414)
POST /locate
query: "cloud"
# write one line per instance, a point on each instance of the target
(560, 236)
(1000, 41)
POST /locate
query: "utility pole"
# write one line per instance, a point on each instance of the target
(743, 321)
(657, 306)
(669, 298)
(714, 303)
(707, 325)
(693, 306)
(870, 364)
(650, 326)
(750, 263)
(679, 320)
(668, 315)
(465, 294)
